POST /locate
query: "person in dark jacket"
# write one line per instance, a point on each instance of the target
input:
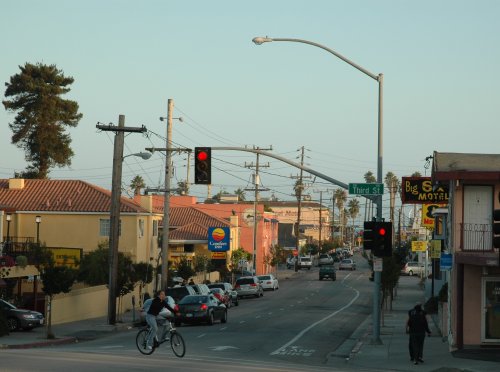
(154, 309)
(417, 327)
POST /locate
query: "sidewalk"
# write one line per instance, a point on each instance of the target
(392, 355)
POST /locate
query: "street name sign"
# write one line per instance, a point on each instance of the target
(366, 189)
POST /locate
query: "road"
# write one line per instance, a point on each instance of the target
(294, 328)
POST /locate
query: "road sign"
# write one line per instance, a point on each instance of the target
(378, 264)
(419, 246)
(446, 261)
(366, 188)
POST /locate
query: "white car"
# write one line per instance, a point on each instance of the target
(305, 263)
(347, 264)
(325, 259)
(268, 282)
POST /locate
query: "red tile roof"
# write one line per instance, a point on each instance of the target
(182, 216)
(62, 196)
(193, 231)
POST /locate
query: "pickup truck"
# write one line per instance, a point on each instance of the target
(327, 271)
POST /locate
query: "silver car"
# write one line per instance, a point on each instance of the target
(248, 286)
(347, 264)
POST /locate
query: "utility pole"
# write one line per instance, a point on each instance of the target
(298, 193)
(166, 202)
(255, 202)
(320, 220)
(114, 219)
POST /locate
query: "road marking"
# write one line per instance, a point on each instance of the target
(223, 328)
(112, 347)
(222, 348)
(257, 317)
(242, 321)
(304, 331)
(202, 335)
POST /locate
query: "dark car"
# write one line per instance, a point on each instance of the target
(20, 318)
(328, 272)
(228, 288)
(200, 309)
(178, 293)
(221, 296)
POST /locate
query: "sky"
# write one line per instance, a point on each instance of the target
(439, 60)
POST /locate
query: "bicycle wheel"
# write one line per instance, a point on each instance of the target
(141, 341)
(177, 344)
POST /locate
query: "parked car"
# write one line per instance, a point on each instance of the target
(228, 288)
(201, 289)
(178, 293)
(325, 259)
(305, 262)
(268, 282)
(413, 268)
(327, 272)
(200, 309)
(222, 296)
(18, 319)
(248, 286)
(290, 262)
(164, 313)
(347, 264)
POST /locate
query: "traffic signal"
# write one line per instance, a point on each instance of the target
(368, 235)
(496, 228)
(202, 165)
(383, 239)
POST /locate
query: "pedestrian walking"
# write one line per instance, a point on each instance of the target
(417, 327)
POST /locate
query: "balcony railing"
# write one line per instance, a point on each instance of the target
(476, 237)
(20, 246)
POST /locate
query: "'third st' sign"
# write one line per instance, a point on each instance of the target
(366, 188)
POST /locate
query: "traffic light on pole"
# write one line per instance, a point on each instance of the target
(383, 239)
(368, 235)
(202, 165)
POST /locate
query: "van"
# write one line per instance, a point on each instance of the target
(413, 268)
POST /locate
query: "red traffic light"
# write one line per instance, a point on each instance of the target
(202, 155)
(381, 231)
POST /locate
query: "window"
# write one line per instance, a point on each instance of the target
(105, 227)
(141, 228)
(155, 228)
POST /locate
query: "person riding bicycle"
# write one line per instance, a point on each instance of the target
(151, 316)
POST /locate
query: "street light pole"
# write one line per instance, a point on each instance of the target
(38, 219)
(379, 78)
(8, 217)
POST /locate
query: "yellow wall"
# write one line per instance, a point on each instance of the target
(83, 231)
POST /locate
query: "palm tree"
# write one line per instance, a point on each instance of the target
(240, 193)
(137, 184)
(353, 208)
(394, 186)
(340, 197)
(369, 178)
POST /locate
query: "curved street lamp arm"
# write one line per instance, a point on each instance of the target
(260, 40)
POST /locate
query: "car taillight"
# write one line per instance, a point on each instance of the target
(269, 282)
(237, 286)
(203, 307)
(176, 308)
(253, 285)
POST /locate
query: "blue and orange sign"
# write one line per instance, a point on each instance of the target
(218, 239)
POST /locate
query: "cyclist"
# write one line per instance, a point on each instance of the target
(154, 309)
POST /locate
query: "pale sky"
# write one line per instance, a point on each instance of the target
(440, 62)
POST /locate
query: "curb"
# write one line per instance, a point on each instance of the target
(59, 341)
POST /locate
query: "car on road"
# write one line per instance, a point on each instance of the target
(305, 262)
(347, 264)
(18, 319)
(325, 259)
(200, 309)
(290, 262)
(327, 272)
(268, 282)
(248, 286)
(201, 289)
(413, 268)
(228, 288)
(179, 292)
(221, 296)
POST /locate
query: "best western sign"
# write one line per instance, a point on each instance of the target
(419, 190)
(218, 239)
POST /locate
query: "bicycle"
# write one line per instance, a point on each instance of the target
(176, 341)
